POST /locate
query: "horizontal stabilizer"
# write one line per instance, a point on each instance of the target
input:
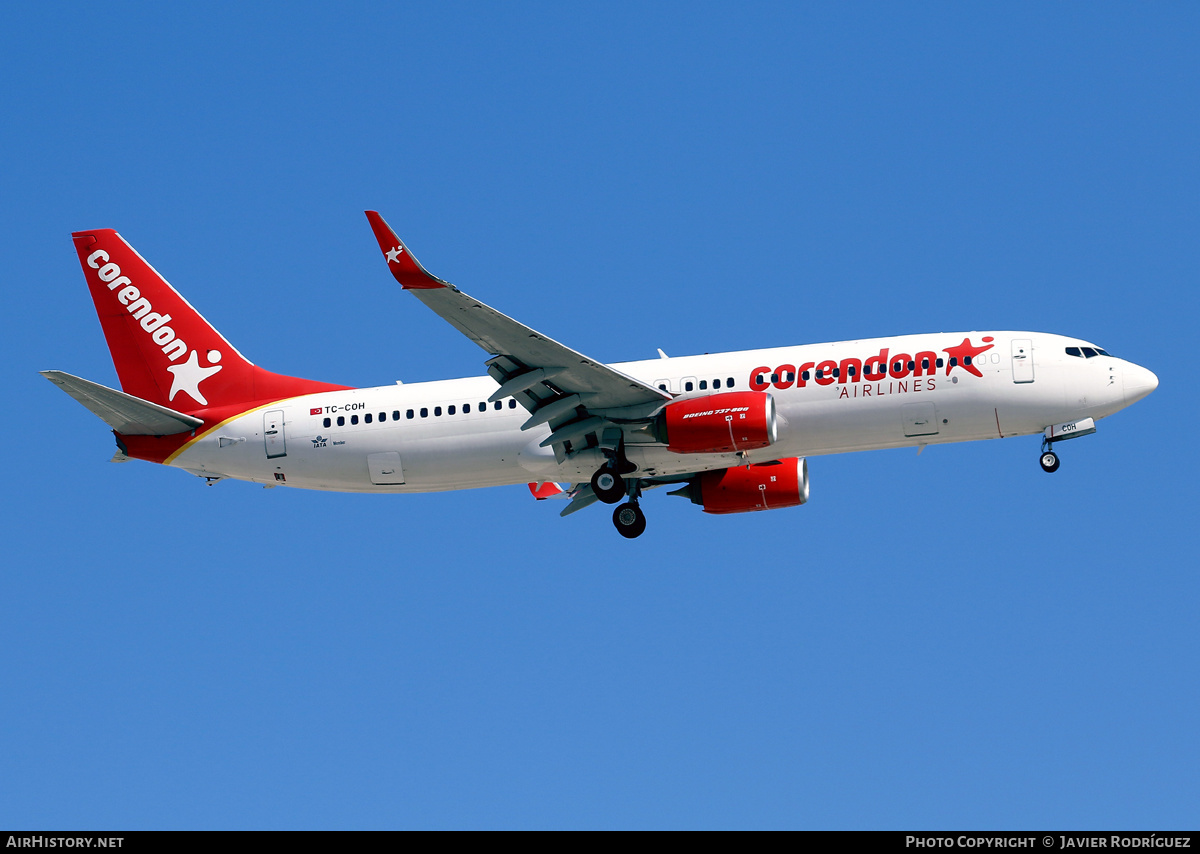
(125, 413)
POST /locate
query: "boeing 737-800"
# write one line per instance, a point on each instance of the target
(730, 431)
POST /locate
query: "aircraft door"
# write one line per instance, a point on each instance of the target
(385, 468)
(273, 435)
(920, 419)
(1022, 360)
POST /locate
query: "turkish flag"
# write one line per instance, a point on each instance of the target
(315, 411)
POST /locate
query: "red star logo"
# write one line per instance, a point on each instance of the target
(962, 351)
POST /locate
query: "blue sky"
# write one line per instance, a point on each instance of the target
(951, 641)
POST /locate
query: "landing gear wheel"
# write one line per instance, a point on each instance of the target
(608, 485)
(1049, 461)
(630, 520)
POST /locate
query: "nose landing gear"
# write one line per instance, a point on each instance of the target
(1049, 459)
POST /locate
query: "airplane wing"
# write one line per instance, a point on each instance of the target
(574, 394)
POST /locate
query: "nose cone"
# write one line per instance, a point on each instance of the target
(1139, 382)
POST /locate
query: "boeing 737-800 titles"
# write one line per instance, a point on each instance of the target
(730, 431)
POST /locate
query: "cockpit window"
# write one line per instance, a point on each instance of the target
(1089, 352)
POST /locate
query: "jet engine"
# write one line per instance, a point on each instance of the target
(762, 486)
(719, 423)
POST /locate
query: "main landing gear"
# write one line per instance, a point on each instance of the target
(610, 486)
(1049, 459)
(630, 520)
(608, 482)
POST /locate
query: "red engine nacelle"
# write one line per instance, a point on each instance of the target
(720, 423)
(762, 486)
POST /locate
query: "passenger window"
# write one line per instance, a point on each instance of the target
(437, 410)
(341, 420)
(791, 376)
(353, 419)
(512, 403)
(703, 385)
(497, 405)
(687, 386)
(850, 370)
(396, 414)
(835, 372)
(729, 383)
(466, 409)
(911, 365)
(966, 360)
(367, 418)
(383, 416)
(408, 414)
(807, 376)
(820, 375)
(716, 383)
(953, 361)
(662, 386)
(941, 363)
(1089, 352)
(758, 379)
(326, 422)
(774, 378)
(925, 364)
(450, 410)
(424, 412)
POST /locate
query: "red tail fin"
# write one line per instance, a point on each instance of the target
(164, 351)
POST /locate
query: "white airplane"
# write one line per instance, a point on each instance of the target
(730, 431)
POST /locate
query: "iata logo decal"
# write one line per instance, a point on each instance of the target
(905, 372)
(320, 441)
(186, 377)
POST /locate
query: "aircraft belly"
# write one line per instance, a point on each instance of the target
(898, 413)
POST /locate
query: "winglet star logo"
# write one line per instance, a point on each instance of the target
(964, 354)
(189, 375)
(394, 254)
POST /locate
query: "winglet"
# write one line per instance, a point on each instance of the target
(404, 266)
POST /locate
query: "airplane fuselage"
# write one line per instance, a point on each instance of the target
(444, 435)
